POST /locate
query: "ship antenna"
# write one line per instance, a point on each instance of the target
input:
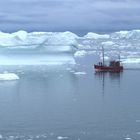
(119, 57)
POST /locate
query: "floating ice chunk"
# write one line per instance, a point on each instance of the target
(137, 121)
(1, 137)
(8, 76)
(61, 138)
(138, 133)
(80, 53)
(80, 73)
(128, 138)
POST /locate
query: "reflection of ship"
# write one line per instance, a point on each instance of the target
(114, 66)
(114, 78)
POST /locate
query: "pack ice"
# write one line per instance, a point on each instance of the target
(123, 43)
(54, 48)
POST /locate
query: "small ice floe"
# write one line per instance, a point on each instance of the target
(1, 137)
(37, 137)
(61, 138)
(80, 73)
(44, 135)
(80, 53)
(137, 121)
(128, 137)
(138, 133)
(8, 76)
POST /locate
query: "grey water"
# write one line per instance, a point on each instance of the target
(72, 103)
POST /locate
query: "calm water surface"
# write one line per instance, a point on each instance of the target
(58, 103)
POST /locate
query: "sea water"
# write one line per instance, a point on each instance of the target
(70, 102)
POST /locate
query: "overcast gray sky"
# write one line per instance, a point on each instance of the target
(73, 15)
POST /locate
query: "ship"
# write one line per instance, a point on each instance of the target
(114, 65)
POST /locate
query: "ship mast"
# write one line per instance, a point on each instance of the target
(119, 57)
(103, 55)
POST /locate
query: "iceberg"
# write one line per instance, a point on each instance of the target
(80, 73)
(37, 48)
(108, 43)
(125, 43)
(8, 76)
(58, 48)
(134, 34)
(80, 53)
(91, 35)
(22, 38)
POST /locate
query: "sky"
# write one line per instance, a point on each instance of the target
(78, 16)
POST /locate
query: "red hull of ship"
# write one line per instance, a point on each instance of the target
(108, 68)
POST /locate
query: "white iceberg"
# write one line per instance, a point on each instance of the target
(133, 34)
(80, 53)
(80, 73)
(8, 76)
(22, 38)
(61, 138)
(91, 35)
(43, 48)
(108, 43)
(37, 48)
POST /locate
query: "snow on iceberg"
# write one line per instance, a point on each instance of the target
(80, 53)
(133, 34)
(91, 35)
(48, 38)
(8, 76)
(108, 43)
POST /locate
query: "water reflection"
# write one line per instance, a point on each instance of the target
(108, 78)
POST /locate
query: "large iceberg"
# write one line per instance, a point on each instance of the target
(22, 38)
(22, 48)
